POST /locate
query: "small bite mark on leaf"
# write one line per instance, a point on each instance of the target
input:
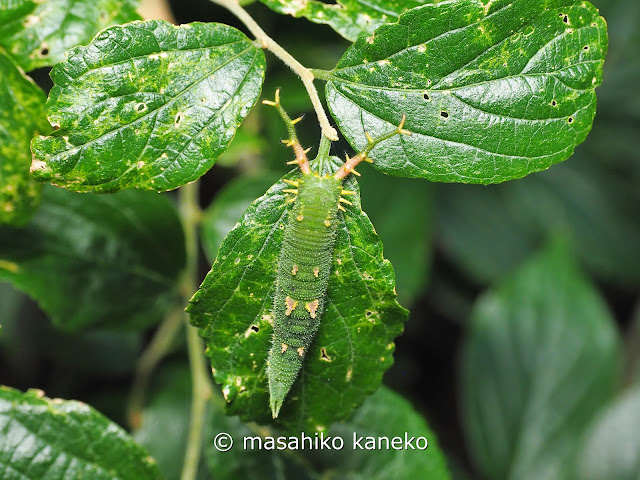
(324, 356)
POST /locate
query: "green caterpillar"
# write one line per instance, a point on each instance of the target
(302, 278)
(304, 263)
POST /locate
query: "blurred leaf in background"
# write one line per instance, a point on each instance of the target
(541, 357)
(97, 260)
(612, 444)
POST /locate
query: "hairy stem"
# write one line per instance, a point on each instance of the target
(200, 381)
(304, 73)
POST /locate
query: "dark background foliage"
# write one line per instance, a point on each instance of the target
(448, 243)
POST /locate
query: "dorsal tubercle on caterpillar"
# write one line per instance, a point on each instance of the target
(306, 256)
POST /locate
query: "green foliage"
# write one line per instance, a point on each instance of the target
(233, 309)
(37, 33)
(612, 443)
(59, 440)
(350, 18)
(228, 206)
(21, 115)
(492, 91)
(109, 261)
(403, 218)
(384, 414)
(516, 99)
(147, 105)
(540, 359)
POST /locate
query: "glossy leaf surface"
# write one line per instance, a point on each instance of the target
(350, 18)
(59, 440)
(37, 33)
(147, 105)
(353, 346)
(21, 116)
(97, 260)
(491, 92)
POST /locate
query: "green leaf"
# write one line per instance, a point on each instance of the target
(59, 440)
(387, 414)
(403, 217)
(353, 346)
(482, 231)
(37, 33)
(632, 358)
(350, 18)
(165, 421)
(491, 92)
(147, 105)
(572, 199)
(612, 446)
(257, 464)
(97, 260)
(20, 117)
(383, 414)
(540, 359)
(228, 206)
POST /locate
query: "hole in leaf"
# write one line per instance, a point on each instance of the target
(565, 18)
(141, 107)
(44, 51)
(586, 47)
(255, 328)
(553, 103)
(178, 119)
(570, 120)
(444, 114)
(323, 355)
(426, 96)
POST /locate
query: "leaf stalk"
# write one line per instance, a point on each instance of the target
(304, 73)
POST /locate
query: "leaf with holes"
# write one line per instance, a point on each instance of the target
(353, 346)
(97, 260)
(20, 117)
(147, 105)
(37, 33)
(58, 440)
(350, 18)
(491, 92)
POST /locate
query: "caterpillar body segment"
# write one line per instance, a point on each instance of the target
(306, 255)
(302, 278)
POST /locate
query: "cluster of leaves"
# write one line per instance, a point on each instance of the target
(492, 92)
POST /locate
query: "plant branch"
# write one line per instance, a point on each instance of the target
(351, 163)
(304, 73)
(200, 381)
(153, 354)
